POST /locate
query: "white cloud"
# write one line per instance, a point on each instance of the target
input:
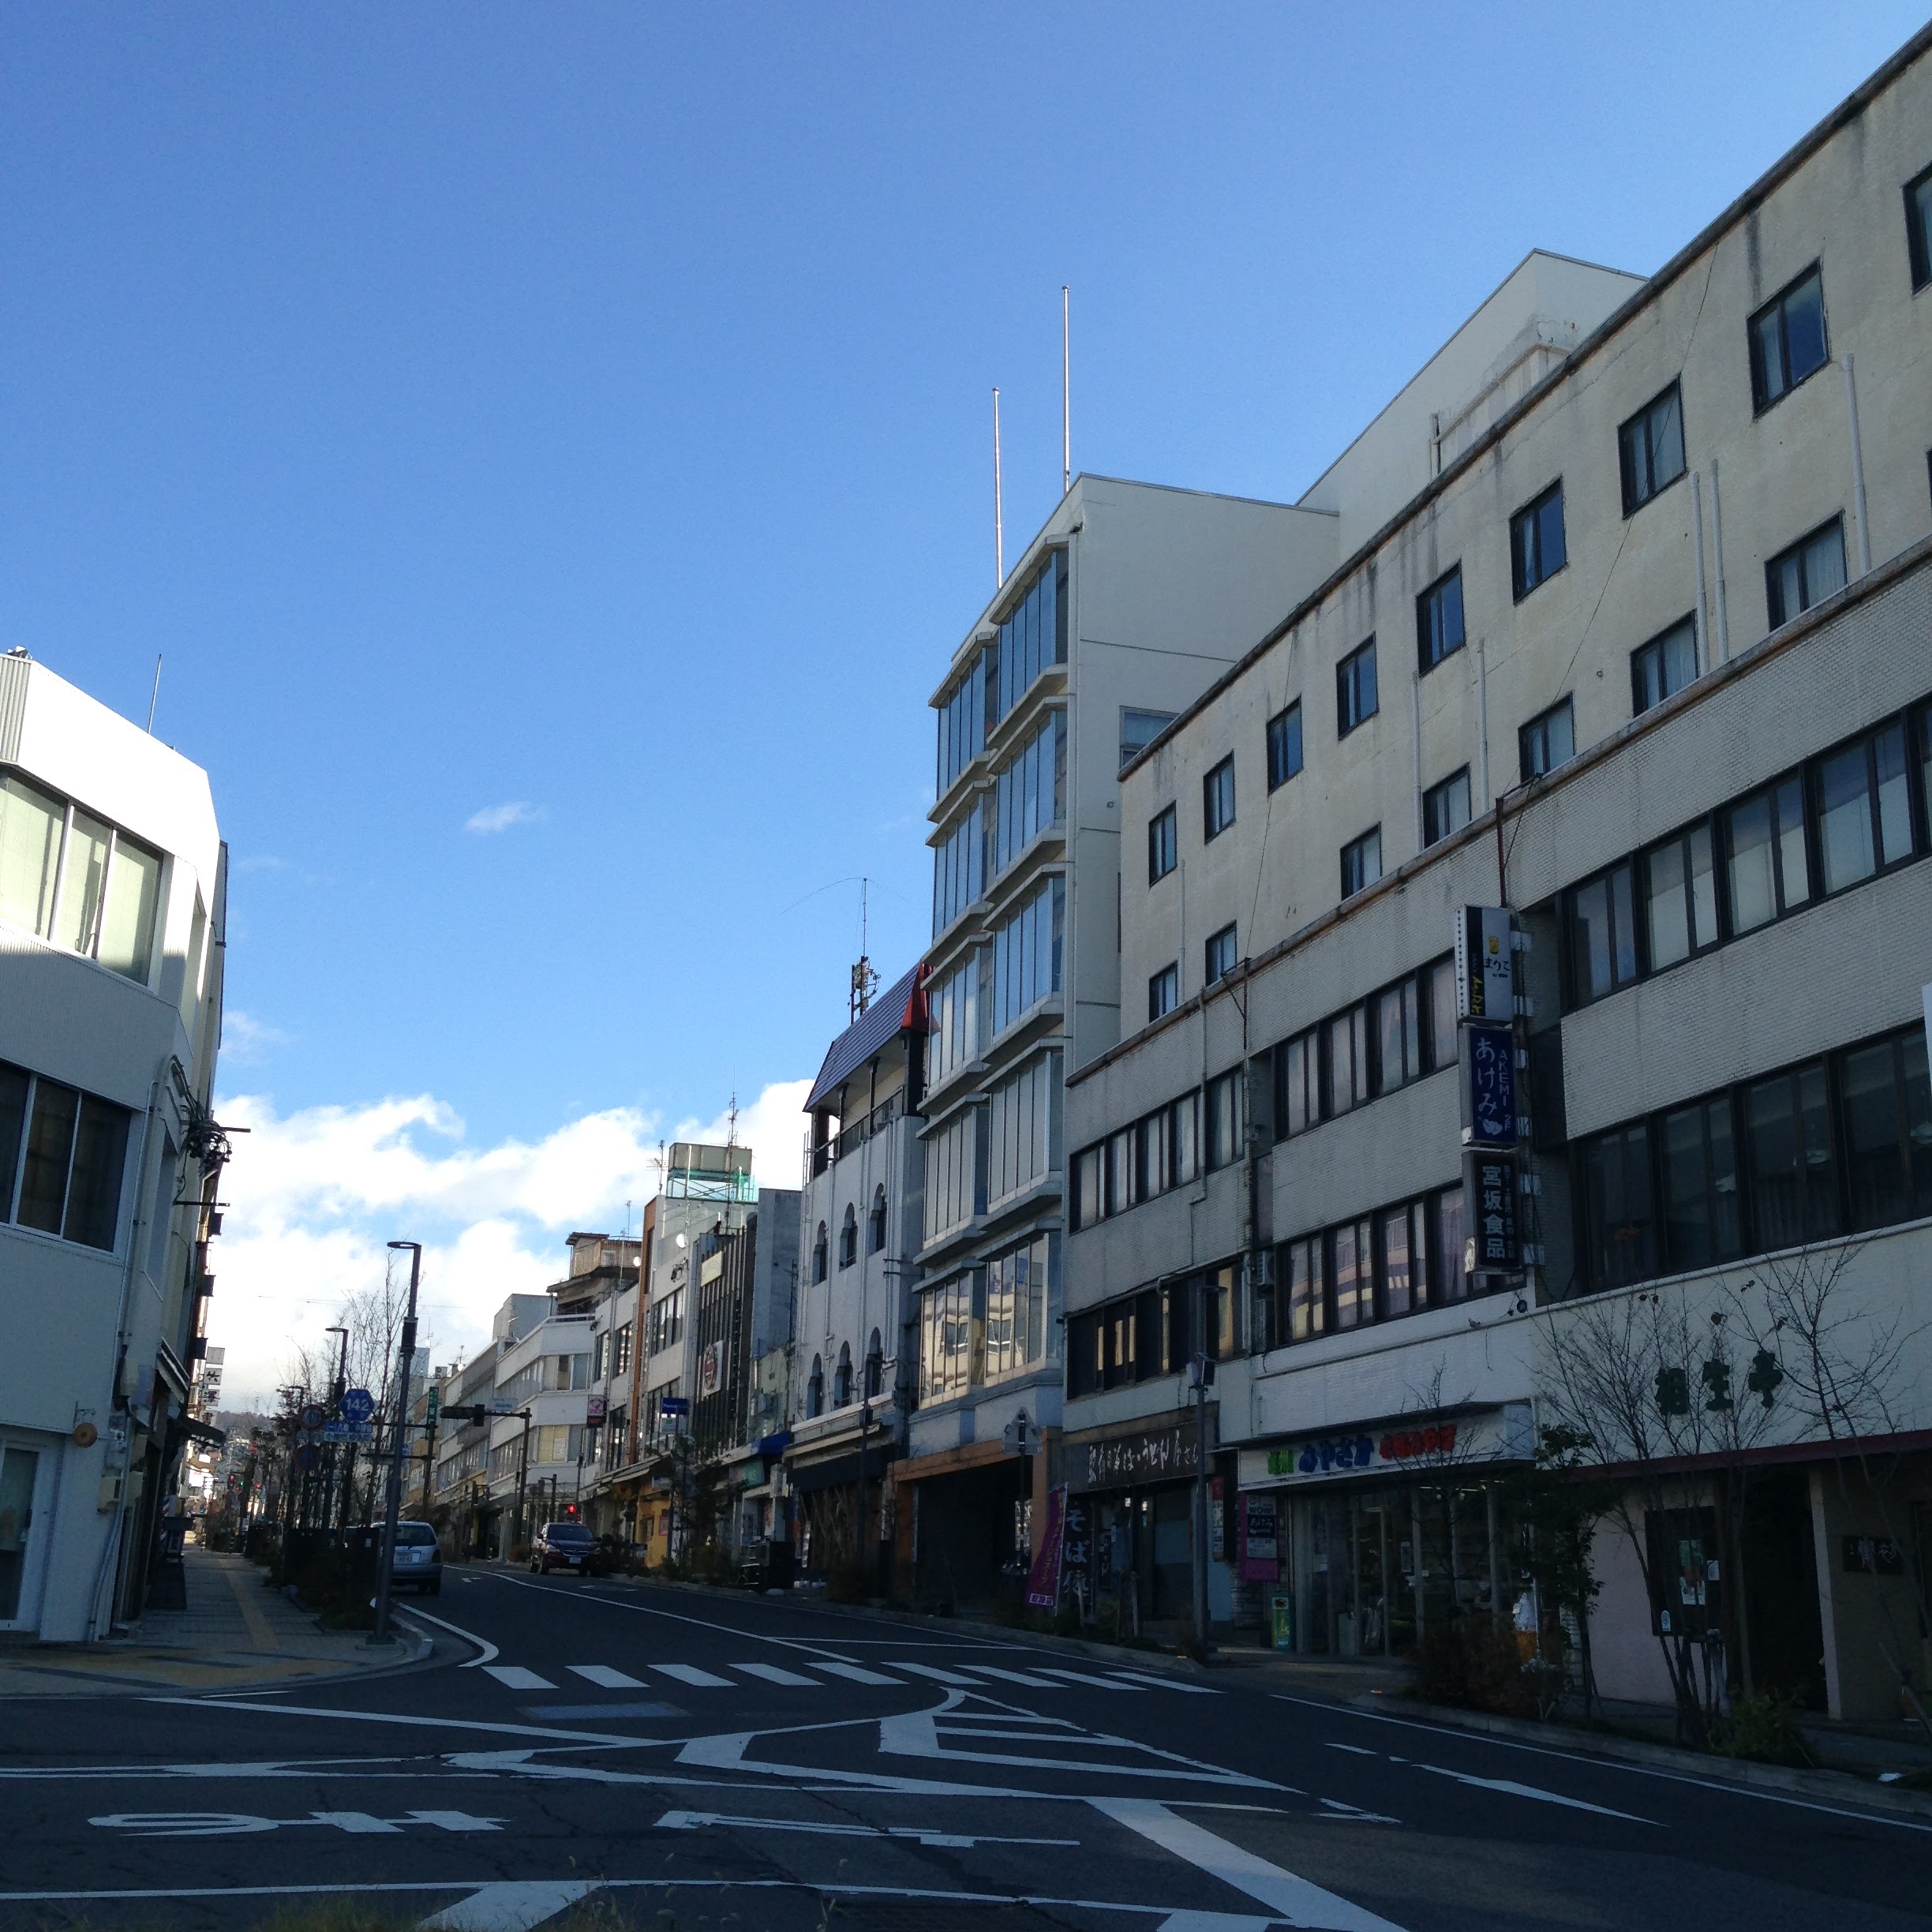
(500, 818)
(314, 1195)
(246, 1039)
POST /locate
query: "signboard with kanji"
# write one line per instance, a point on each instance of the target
(1489, 1190)
(1488, 1085)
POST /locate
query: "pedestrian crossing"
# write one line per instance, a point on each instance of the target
(806, 1672)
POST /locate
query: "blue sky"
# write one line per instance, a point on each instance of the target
(584, 409)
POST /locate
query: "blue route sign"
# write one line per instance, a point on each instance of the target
(674, 1405)
(357, 1406)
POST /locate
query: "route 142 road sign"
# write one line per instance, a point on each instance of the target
(357, 1404)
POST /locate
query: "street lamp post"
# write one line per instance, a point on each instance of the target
(393, 1507)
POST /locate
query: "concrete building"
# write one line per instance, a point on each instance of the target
(1126, 605)
(1640, 665)
(540, 1385)
(854, 1378)
(112, 896)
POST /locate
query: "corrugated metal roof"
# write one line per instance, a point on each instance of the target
(879, 1025)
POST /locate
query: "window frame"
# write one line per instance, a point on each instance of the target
(1640, 422)
(1359, 846)
(78, 1220)
(1164, 985)
(1762, 397)
(1919, 230)
(1279, 770)
(1521, 523)
(1655, 646)
(1777, 617)
(1349, 686)
(1303, 1304)
(1212, 973)
(1441, 791)
(1217, 793)
(1163, 841)
(1428, 603)
(1526, 733)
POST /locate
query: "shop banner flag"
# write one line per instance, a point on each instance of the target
(1044, 1578)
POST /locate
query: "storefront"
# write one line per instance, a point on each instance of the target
(1368, 1534)
(1131, 1530)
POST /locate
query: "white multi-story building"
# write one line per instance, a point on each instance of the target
(853, 1374)
(541, 1398)
(113, 890)
(1642, 663)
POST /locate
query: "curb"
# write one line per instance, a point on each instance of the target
(1842, 1785)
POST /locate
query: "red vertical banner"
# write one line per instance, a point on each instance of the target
(1044, 1578)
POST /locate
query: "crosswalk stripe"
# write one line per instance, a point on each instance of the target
(1014, 1676)
(834, 1667)
(517, 1678)
(772, 1674)
(690, 1674)
(951, 1678)
(1164, 1683)
(1087, 1678)
(605, 1677)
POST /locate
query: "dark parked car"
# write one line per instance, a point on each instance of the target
(418, 1559)
(563, 1546)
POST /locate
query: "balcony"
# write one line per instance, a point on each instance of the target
(849, 1140)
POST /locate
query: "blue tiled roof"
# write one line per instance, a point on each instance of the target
(879, 1025)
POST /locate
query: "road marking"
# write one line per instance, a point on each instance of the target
(922, 1834)
(485, 1649)
(952, 1678)
(1216, 1922)
(1163, 1683)
(690, 1674)
(507, 1907)
(629, 1708)
(399, 1717)
(517, 1678)
(1298, 1899)
(605, 1677)
(228, 1824)
(1013, 1676)
(857, 1672)
(1355, 1751)
(772, 1674)
(917, 1733)
(1607, 1764)
(1532, 1790)
(1087, 1677)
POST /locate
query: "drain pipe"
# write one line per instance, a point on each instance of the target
(1858, 472)
(1723, 616)
(1697, 547)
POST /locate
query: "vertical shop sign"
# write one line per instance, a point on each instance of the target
(1485, 971)
(1261, 1545)
(1490, 1179)
(1044, 1578)
(1488, 1085)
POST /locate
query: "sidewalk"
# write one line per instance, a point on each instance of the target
(236, 1634)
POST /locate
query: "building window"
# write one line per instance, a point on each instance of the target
(874, 1368)
(1546, 741)
(1163, 992)
(1664, 666)
(1163, 844)
(1221, 1113)
(1284, 745)
(1446, 807)
(955, 1172)
(1865, 817)
(1618, 1210)
(1788, 340)
(1395, 1022)
(1016, 1308)
(1439, 620)
(1919, 228)
(1307, 1282)
(959, 869)
(1218, 799)
(1680, 898)
(1034, 637)
(1602, 929)
(1702, 1222)
(946, 1340)
(842, 1377)
(848, 1237)
(1022, 1139)
(875, 1222)
(1790, 1170)
(76, 880)
(1089, 1187)
(63, 1155)
(1362, 862)
(814, 1388)
(1537, 550)
(1355, 689)
(1220, 961)
(1030, 794)
(1767, 869)
(1650, 449)
(1028, 954)
(1139, 729)
(1345, 1037)
(1810, 571)
(963, 721)
(1885, 1115)
(821, 1255)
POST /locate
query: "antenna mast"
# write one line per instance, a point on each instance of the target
(999, 520)
(154, 696)
(1066, 390)
(864, 980)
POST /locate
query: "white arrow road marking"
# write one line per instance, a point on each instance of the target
(690, 1674)
(925, 1835)
(772, 1674)
(1215, 1922)
(603, 1676)
(1299, 1901)
(508, 1908)
(857, 1672)
(516, 1677)
(223, 1824)
(1532, 1790)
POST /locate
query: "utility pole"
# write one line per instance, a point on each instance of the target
(331, 1452)
(393, 1507)
(516, 1526)
(1200, 1378)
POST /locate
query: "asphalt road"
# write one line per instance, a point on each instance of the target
(679, 1760)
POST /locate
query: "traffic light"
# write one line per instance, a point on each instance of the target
(570, 1509)
(476, 1412)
